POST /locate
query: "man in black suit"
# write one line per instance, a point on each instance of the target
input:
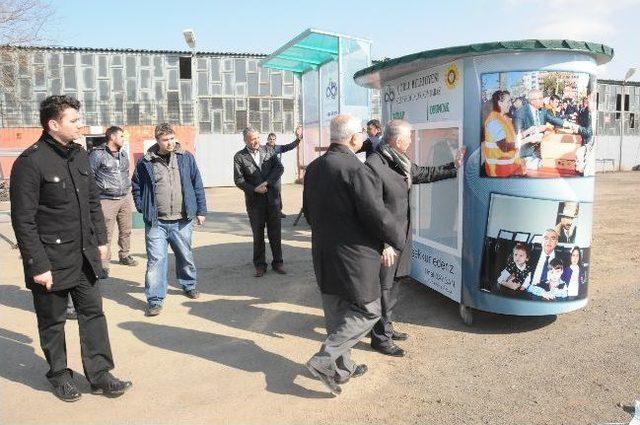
(257, 171)
(374, 131)
(397, 173)
(540, 259)
(350, 227)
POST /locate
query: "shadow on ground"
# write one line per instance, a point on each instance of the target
(238, 353)
(423, 306)
(20, 363)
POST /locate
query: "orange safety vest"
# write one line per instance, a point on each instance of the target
(496, 162)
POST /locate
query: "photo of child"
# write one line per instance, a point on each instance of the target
(517, 274)
(574, 275)
(554, 287)
(527, 253)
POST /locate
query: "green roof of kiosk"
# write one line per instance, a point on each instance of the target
(305, 52)
(396, 68)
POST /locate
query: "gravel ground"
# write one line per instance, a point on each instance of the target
(237, 354)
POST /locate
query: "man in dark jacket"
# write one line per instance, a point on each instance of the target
(279, 150)
(110, 166)
(167, 190)
(395, 171)
(374, 133)
(257, 172)
(56, 216)
(349, 227)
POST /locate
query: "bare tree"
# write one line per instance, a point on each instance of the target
(22, 22)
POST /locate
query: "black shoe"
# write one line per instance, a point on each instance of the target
(192, 293)
(104, 274)
(153, 310)
(128, 261)
(400, 336)
(390, 350)
(279, 269)
(110, 386)
(72, 314)
(67, 391)
(328, 382)
(360, 370)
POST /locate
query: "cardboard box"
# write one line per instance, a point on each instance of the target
(560, 146)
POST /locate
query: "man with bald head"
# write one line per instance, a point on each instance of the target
(350, 227)
(397, 174)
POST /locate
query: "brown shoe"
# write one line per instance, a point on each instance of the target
(279, 269)
(260, 271)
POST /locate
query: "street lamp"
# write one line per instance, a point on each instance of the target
(190, 39)
(628, 75)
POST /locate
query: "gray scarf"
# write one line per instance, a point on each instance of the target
(400, 159)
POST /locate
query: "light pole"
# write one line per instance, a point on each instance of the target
(190, 39)
(628, 75)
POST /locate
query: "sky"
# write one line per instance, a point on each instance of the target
(396, 28)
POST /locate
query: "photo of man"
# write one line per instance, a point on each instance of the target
(535, 250)
(530, 126)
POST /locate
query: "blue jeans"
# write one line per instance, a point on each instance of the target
(176, 233)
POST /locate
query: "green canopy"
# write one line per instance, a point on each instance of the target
(395, 68)
(305, 52)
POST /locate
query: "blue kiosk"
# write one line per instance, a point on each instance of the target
(512, 234)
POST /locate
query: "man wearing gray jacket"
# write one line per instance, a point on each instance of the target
(110, 165)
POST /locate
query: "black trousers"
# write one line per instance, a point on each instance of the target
(383, 329)
(95, 349)
(262, 214)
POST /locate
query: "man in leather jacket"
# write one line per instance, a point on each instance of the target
(110, 166)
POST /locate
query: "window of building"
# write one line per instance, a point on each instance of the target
(131, 91)
(118, 79)
(185, 67)
(241, 70)
(87, 59)
(39, 77)
(241, 120)
(203, 83)
(217, 121)
(159, 90)
(215, 69)
(252, 84)
(103, 90)
(70, 77)
(69, 59)
(131, 67)
(173, 79)
(158, 71)
(88, 79)
(102, 67)
(145, 79)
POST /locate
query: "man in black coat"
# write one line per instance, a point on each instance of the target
(257, 171)
(349, 227)
(397, 173)
(374, 131)
(58, 222)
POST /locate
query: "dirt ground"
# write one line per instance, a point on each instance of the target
(237, 354)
